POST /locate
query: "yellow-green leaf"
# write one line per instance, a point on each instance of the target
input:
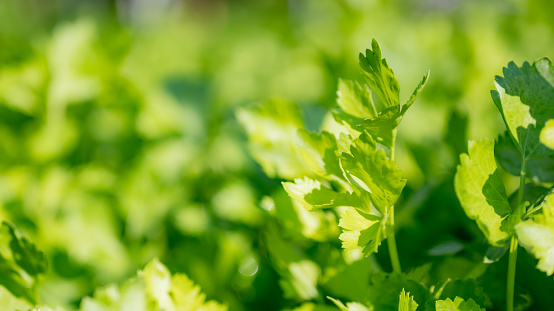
(457, 305)
(361, 230)
(406, 302)
(537, 236)
(373, 172)
(481, 191)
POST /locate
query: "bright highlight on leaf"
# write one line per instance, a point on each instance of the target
(361, 231)
(537, 236)
(154, 289)
(320, 153)
(481, 191)
(310, 192)
(355, 100)
(271, 132)
(547, 134)
(457, 305)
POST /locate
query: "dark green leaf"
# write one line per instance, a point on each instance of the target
(384, 290)
(525, 98)
(20, 263)
(508, 156)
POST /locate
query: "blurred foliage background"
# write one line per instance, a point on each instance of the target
(119, 140)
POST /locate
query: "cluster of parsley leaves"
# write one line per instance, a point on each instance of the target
(349, 170)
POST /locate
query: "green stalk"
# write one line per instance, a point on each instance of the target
(393, 251)
(513, 244)
(511, 274)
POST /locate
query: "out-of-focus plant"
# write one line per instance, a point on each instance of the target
(119, 143)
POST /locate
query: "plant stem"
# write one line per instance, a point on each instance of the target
(393, 251)
(513, 244)
(522, 175)
(511, 274)
(393, 143)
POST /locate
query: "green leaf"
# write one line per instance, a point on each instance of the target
(481, 192)
(379, 76)
(299, 275)
(9, 302)
(494, 253)
(320, 153)
(537, 196)
(509, 157)
(361, 231)
(407, 302)
(466, 289)
(547, 134)
(338, 303)
(318, 225)
(537, 236)
(355, 100)
(20, 263)
(358, 109)
(382, 127)
(457, 305)
(525, 98)
(310, 306)
(373, 172)
(351, 279)
(271, 130)
(154, 289)
(310, 193)
(351, 306)
(384, 289)
(415, 93)
(509, 223)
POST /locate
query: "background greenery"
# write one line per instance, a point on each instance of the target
(119, 139)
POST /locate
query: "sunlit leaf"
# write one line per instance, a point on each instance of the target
(355, 100)
(481, 191)
(350, 306)
(361, 231)
(380, 76)
(457, 305)
(310, 192)
(320, 153)
(154, 289)
(373, 172)
(407, 302)
(537, 236)
(271, 130)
